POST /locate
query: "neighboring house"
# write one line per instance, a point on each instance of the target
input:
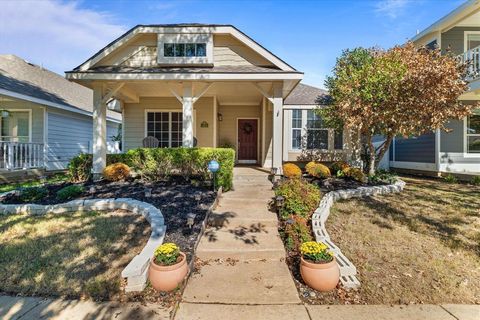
(456, 151)
(206, 84)
(46, 119)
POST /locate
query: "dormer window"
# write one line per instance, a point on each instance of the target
(185, 49)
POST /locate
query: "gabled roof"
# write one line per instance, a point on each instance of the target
(213, 28)
(467, 9)
(304, 94)
(24, 80)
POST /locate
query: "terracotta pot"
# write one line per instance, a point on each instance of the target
(320, 276)
(167, 278)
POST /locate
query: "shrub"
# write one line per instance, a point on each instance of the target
(338, 166)
(69, 192)
(317, 170)
(291, 170)
(301, 197)
(316, 251)
(382, 176)
(32, 194)
(296, 232)
(450, 178)
(476, 181)
(354, 174)
(116, 172)
(154, 164)
(166, 254)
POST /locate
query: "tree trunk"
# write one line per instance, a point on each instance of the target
(372, 156)
(382, 150)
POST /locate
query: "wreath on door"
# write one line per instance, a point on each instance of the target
(247, 128)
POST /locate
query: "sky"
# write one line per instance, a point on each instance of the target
(309, 35)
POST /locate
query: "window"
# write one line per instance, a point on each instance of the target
(473, 133)
(184, 49)
(317, 136)
(472, 40)
(16, 127)
(296, 129)
(309, 132)
(166, 127)
(432, 45)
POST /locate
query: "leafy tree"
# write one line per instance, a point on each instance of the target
(402, 91)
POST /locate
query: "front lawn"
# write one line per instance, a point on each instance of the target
(77, 255)
(56, 178)
(418, 246)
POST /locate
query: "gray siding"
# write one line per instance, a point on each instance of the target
(455, 39)
(68, 135)
(418, 149)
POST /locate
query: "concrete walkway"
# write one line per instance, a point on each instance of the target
(242, 256)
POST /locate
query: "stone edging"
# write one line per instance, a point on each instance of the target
(136, 271)
(347, 269)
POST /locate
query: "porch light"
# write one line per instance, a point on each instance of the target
(220, 116)
(191, 219)
(279, 202)
(5, 113)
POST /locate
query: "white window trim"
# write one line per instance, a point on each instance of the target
(465, 38)
(331, 132)
(185, 38)
(30, 121)
(466, 154)
(291, 128)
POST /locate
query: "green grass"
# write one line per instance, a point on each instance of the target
(77, 255)
(60, 177)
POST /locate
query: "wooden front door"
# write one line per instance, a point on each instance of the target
(247, 140)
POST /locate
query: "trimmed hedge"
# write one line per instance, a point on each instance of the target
(155, 164)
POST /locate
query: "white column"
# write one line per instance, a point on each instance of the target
(277, 126)
(99, 133)
(187, 115)
(214, 121)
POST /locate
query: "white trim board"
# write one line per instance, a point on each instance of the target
(30, 120)
(413, 165)
(49, 103)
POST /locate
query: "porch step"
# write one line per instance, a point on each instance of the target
(235, 212)
(249, 192)
(242, 282)
(253, 241)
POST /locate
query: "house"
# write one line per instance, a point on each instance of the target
(205, 85)
(45, 119)
(456, 151)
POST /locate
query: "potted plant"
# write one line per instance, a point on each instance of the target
(318, 266)
(168, 267)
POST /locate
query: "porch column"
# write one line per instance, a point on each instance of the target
(277, 138)
(99, 133)
(187, 103)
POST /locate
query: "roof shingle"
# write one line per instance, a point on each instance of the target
(304, 94)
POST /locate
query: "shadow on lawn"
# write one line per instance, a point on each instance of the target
(448, 229)
(83, 259)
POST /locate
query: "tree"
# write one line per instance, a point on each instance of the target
(402, 91)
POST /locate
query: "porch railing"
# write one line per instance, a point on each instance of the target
(21, 155)
(472, 58)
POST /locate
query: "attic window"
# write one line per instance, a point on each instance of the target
(185, 49)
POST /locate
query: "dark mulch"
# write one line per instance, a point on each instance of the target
(334, 184)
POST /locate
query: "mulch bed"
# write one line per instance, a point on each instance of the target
(176, 198)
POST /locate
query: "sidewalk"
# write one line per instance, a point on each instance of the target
(37, 308)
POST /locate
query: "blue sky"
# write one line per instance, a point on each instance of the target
(309, 35)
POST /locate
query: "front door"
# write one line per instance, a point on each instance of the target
(247, 140)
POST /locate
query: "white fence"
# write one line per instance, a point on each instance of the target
(21, 155)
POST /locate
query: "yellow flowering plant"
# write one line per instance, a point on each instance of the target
(316, 251)
(166, 254)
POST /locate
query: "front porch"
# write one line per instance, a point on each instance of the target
(244, 115)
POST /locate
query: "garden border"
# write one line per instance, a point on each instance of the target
(348, 271)
(136, 271)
